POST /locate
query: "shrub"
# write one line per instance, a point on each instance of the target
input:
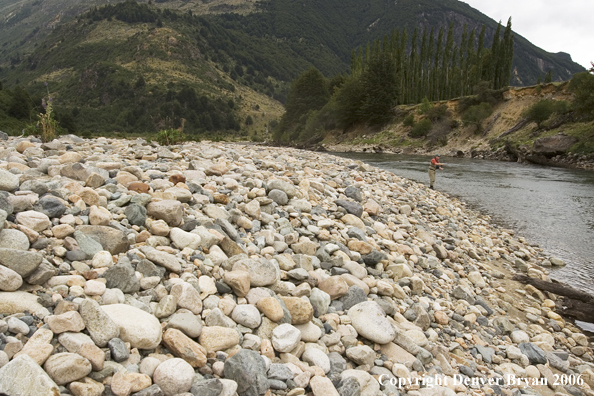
(409, 120)
(543, 109)
(167, 137)
(438, 112)
(476, 114)
(46, 124)
(425, 106)
(421, 128)
(582, 87)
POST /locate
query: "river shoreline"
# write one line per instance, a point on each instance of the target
(570, 161)
(164, 270)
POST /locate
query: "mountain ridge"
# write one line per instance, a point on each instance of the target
(261, 46)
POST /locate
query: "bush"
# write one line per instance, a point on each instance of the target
(582, 87)
(438, 112)
(476, 114)
(409, 120)
(425, 106)
(421, 128)
(543, 109)
(167, 137)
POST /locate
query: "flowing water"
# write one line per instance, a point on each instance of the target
(550, 207)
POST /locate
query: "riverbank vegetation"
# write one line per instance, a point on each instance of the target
(398, 71)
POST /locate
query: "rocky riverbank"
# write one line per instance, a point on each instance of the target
(128, 268)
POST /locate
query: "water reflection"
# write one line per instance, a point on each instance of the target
(551, 207)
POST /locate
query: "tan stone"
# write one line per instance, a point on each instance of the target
(335, 286)
(271, 308)
(87, 387)
(38, 347)
(69, 321)
(359, 246)
(69, 157)
(99, 216)
(90, 196)
(322, 386)
(217, 338)
(139, 187)
(372, 207)
(24, 145)
(62, 231)
(93, 354)
(182, 346)
(301, 310)
(124, 178)
(239, 281)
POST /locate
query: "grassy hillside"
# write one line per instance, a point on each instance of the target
(502, 134)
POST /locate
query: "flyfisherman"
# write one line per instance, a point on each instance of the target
(435, 164)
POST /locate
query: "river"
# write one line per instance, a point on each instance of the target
(550, 207)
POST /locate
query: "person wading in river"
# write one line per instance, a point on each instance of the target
(435, 164)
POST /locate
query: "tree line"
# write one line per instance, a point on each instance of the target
(395, 71)
(435, 67)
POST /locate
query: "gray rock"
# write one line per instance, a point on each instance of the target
(148, 269)
(557, 362)
(22, 262)
(8, 181)
(153, 390)
(351, 207)
(121, 276)
(553, 145)
(87, 244)
(280, 372)
(486, 352)
(186, 322)
(210, 387)
(337, 365)
(13, 239)
(112, 240)
(354, 232)
(349, 387)
(118, 350)
(462, 293)
(354, 296)
(5, 205)
(165, 260)
(99, 325)
(534, 353)
(136, 214)
(353, 193)
(320, 300)
(278, 196)
(50, 206)
(286, 187)
(248, 369)
(374, 257)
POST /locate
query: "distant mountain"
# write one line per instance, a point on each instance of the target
(138, 67)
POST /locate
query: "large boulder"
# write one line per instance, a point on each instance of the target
(553, 145)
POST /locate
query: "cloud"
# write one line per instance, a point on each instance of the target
(549, 24)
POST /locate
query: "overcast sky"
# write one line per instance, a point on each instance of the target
(553, 25)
